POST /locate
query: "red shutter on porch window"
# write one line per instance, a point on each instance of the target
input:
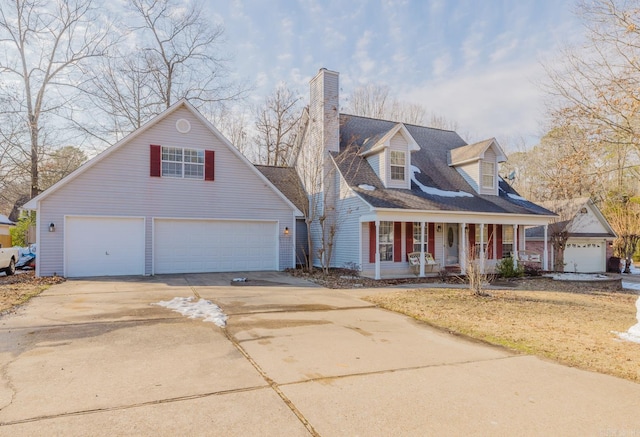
(397, 241)
(408, 239)
(209, 168)
(472, 238)
(431, 240)
(498, 241)
(490, 240)
(372, 242)
(155, 160)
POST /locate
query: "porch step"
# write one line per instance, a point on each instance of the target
(453, 269)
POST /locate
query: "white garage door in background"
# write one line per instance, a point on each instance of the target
(196, 246)
(584, 256)
(104, 246)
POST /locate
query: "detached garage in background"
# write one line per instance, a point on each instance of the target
(590, 243)
(172, 197)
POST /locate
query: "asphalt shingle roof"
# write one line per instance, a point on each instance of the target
(287, 181)
(431, 160)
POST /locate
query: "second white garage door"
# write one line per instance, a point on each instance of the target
(197, 246)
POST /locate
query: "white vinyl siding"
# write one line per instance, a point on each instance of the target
(376, 164)
(119, 184)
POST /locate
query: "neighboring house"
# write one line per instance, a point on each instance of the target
(172, 197)
(5, 236)
(394, 188)
(590, 242)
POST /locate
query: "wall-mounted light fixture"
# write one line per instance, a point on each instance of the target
(52, 227)
(286, 231)
(439, 228)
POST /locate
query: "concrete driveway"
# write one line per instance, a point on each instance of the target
(94, 357)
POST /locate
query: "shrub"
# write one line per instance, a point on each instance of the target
(506, 269)
(19, 233)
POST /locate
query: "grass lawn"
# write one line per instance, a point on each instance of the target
(571, 328)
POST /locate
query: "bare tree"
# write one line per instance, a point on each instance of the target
(373, 101)
(234, 125)
(173, 50)
(45, 47)
(276, 125)
(60, 163)
(597, 87)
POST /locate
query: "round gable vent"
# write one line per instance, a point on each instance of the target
(183, 126)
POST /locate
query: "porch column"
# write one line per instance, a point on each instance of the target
(463, 254)
(545, 257)
(515, 246)
(482, 248)
(422, 225)
(377, 274)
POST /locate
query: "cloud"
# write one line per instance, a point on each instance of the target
(495, 102)
(471, 48)
(441, 65)
(361, 54)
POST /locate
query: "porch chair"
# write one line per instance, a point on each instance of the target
(414, 262)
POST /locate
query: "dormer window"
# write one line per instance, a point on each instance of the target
(488, 175)
(398, 164)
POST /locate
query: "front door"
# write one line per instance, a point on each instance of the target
(451, 245)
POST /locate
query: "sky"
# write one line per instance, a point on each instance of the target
(476, 63)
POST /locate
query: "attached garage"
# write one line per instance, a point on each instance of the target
(104, 246)
(197, 246)
(585, 256)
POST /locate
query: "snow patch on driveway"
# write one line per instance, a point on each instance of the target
(202, 309)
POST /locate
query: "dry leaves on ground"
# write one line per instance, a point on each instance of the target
(17, 289)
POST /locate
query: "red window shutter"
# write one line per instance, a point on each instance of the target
(431, 240)
(372, 242)
(472, 238)
(490, 240)
(498, 241)
(209, 167)
(408, 240)
(397, 241)
(155, 160)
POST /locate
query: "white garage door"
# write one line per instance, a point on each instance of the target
(104, 246)
(584, 256)
(196, 246)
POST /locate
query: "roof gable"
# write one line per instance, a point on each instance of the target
(181, 104)
(475, 152)
(580, 216)
(381, 141)
(4, 220)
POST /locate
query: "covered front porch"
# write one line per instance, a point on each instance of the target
(387, 241)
